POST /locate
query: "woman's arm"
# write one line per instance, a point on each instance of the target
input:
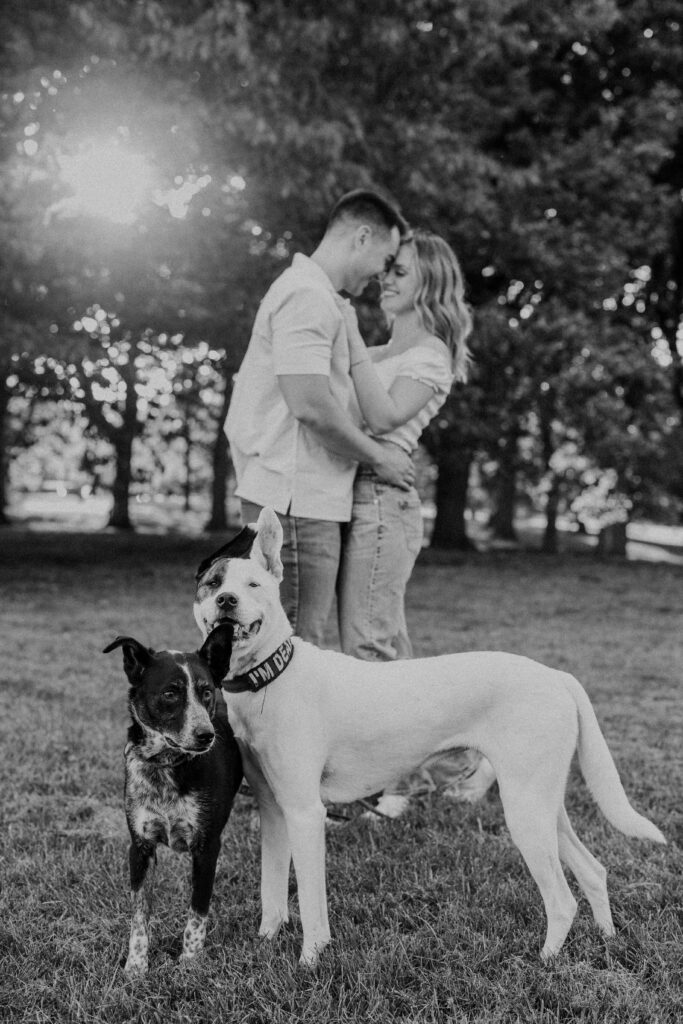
(385, 410)
(382, 410)
(310, 401)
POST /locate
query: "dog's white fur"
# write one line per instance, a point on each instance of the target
(333, 728)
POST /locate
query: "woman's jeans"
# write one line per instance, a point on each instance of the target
(379, 549)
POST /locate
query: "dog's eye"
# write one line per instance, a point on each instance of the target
(171, 696)
(207, 696)
(213, 582)
(253, 583)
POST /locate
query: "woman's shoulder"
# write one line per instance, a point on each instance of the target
(429, 361)
(428, 352)
(427, 343)
(428, 356)
(435, 345)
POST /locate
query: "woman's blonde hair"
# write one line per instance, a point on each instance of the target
(440, 296)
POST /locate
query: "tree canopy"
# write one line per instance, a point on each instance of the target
(543, 141)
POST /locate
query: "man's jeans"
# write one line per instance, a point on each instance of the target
(311, 549)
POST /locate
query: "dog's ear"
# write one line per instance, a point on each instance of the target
(239, 547)
(136, 657)
(268, 543)
(216, 651)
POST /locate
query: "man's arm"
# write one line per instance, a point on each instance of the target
(311, 402)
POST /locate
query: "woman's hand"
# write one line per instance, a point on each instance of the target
(358, 350)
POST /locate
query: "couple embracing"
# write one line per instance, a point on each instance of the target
(322, 429)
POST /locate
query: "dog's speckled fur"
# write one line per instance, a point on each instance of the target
(182, 770)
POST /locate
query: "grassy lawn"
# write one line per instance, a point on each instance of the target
(434, 917)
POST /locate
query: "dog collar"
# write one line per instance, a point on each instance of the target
(259, 676)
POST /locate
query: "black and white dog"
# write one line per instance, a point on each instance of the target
(183, 769)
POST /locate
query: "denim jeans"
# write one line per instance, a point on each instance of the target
(310, 560)
(380, 546)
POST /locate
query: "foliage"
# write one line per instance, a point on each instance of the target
(543, 141)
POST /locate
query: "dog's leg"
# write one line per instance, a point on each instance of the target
(141, 859)
(203, 875)
(531, 815)
(306, 828)
(275, 860)
(275, 852)
(589, 873)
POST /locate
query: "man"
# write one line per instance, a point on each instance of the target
(293, 442)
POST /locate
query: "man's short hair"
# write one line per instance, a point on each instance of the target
(369, 208)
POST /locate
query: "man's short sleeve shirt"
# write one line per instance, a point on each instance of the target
(278, 461)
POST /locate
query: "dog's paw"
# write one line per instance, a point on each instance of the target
(309, 961)
(310, 956)
(136, 967)
(186, 960)
(271, 926)
(194, 936)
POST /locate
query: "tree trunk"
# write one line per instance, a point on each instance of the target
(502, 520)
(451, 501)
(119, 517)
(187, 483)
(122, 440)
(220, 465)
(546, 408)
(549, 544)
(4, 444)
(612, 540)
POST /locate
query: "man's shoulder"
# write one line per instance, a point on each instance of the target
(296, 294)
(302, 275)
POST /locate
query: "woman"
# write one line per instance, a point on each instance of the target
(400, 387)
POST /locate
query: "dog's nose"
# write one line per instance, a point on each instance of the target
(203, 737)
(227, 600)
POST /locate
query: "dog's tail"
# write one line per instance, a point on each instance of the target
(600, 771)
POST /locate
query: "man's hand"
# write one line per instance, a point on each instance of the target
(394, 466)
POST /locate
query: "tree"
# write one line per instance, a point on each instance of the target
(541, 140)
(170, 265)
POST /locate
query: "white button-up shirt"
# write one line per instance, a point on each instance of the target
(299, 329)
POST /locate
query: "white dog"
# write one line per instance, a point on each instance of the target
(315, 725)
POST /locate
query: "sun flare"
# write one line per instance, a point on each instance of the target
(107, 181)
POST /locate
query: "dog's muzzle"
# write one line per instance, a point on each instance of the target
(239, 630)
(201, 743)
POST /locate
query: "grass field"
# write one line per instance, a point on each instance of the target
(434, 916)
